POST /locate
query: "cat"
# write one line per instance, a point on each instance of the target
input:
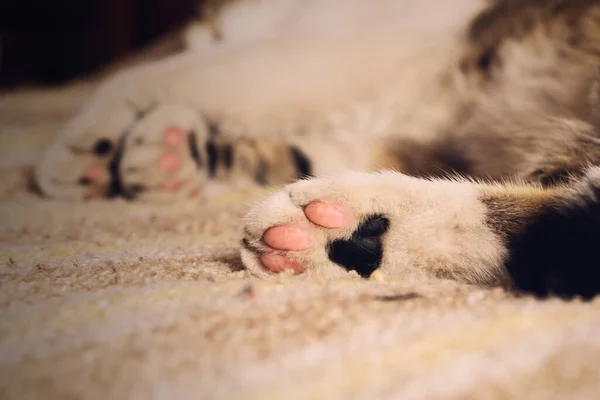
(486, 112)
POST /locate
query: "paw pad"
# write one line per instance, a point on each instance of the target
(172, 185)
(103, 147)
(174, 137)
(170, 162)
(277, 262)
(287, 237)
(363, 252)
(325, 214)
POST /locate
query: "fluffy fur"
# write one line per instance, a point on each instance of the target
(273, 90)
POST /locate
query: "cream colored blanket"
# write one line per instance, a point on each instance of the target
(117, 300)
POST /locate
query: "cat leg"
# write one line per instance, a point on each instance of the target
(535, 240)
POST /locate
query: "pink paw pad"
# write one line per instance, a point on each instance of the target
(169, 162)
(276, 262)
(324, 214)
(287, 237)
(172, 185)
(294, 238)
(94, 173)
(174, 137)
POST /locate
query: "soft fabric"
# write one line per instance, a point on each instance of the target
(117, 300)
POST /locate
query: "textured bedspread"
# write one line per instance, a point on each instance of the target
(117, 300)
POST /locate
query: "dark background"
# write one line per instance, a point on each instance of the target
(52, 41)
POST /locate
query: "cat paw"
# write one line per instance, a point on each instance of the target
(317, 226)
(164, 155)
(399, 225)
(77, 165)
(151, 153)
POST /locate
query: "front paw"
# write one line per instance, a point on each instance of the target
(318, 227)
(164, 155)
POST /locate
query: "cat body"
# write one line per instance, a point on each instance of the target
(487, 113)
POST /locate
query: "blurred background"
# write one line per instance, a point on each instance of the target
(53, 41)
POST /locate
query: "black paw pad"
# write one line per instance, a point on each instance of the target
(103, 147)
(363, 252)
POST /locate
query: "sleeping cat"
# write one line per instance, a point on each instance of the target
(487, 112)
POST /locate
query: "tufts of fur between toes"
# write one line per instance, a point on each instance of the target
(557, 253)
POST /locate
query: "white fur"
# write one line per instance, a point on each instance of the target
(253, 21)
(345, 68)
(435, 226)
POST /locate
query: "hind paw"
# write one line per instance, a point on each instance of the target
(164, 155)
